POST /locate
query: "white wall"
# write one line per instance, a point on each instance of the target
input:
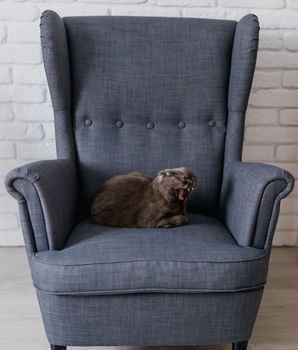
(26, 120)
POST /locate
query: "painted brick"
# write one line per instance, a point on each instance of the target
(289, 117)
(11, 237)
(289, 205)
(270, 40)
(253, 3)
(290, 79)
(261, 116)
(21, 54)
(119, 2)
(34, 151)
(8, 164)
(274, 98)
(8, 221)
(20, 131)
(258, 153)
(273, 19)
(8, 204)
(79, 9)
(26, 74)
(287, 222)
(28, 93)
(2, 186)
(5, 112)
(145, 11)
(271, 134)
(5, 93)
(7, 150)
(23, 32)
(267, 79)
(5, 74)
(285, 238)
(293, 4)
(49, 131)
(269, 59)
(291, 41)
(19, 12)
(33, 112)
(200, 3)
(2, 34)
(287, 152)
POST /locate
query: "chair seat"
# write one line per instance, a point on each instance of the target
(199, 257)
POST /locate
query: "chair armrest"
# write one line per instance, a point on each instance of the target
(47, 196)
(250, 201)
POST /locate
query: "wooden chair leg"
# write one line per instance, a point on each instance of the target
(242, 345)
(58, 347)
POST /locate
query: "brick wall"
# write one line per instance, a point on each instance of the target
(26, 120)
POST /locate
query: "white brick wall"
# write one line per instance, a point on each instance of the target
(26, 119)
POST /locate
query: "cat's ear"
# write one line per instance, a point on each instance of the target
(166, 172)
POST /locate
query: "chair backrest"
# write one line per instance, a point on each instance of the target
(147, 93)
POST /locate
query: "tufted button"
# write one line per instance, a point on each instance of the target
(119, 124)
(88, 122)
(181, 124)
(150, 125)
(212, 123)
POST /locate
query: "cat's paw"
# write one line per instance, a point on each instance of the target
(164, 224)
(169, 225)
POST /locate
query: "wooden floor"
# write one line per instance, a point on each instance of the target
(276, 327)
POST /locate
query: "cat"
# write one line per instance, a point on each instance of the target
(136, 200)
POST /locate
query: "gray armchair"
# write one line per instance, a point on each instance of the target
(141, 94)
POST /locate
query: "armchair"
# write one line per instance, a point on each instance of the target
(141, 94)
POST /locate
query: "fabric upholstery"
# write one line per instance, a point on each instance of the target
(142, 94)
(248, 194)
(201, 256)
(242, 69)
(56, 60)
(149, 70)
(149, 318)
(50, 191)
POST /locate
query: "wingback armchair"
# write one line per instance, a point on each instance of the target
(142, 94)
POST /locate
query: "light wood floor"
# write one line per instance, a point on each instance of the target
(276, 327)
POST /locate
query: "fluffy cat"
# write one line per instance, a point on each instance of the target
(136, 200)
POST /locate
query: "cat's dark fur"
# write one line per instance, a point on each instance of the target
(136, 200)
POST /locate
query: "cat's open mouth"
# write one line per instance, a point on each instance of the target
(182, 193)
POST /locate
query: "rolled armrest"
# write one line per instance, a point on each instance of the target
(250, 200)
(47, 196)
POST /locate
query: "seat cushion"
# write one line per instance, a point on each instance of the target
(199, 257)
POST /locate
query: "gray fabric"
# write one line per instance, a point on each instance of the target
(56, 63)
(242, 69)
(27, 229)
(141, 70)
(141, 94)
(243, 62)
(201, 256)
(50, 191)
(149, 319)
(247, 198)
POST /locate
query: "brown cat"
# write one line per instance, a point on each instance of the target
(136, 200)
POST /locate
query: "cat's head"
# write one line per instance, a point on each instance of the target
(176, 183)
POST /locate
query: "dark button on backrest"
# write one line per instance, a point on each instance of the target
(119, 124)
(181, 124)
(150, 125)
(88, 122)
(212, 123)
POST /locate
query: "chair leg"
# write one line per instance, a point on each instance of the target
(58, 347)
(242, 345)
